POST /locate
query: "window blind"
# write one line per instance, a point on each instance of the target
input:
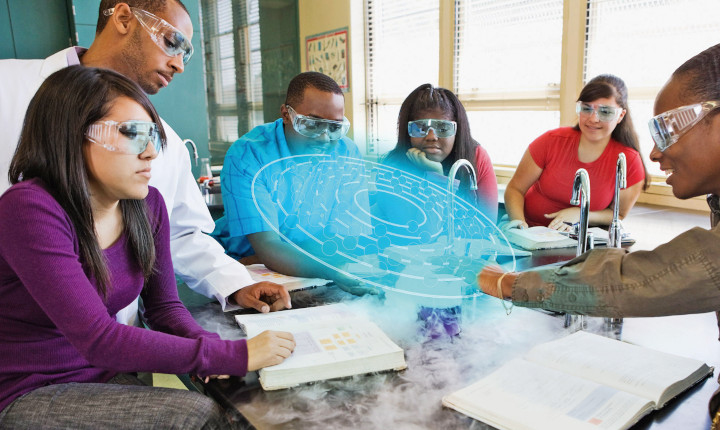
(643, 42)
(507, 71)
(233, 71)
(402, 48)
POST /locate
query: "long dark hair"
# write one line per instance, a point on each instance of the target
(427, 98)
(610, 86)
(51, 149)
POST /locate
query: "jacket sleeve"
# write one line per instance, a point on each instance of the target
(679, 277)
(199, 260)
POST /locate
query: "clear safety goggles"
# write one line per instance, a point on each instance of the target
(605, 113)
(668, 127)
(314, 128)
(441, 127)
(128, 137)
(168, 38)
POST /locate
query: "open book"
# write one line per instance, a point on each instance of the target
(261, 273)
(331, 342)
(539, 238)
(582, 381)
(601, 237)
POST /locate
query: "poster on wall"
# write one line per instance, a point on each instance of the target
(327, 53)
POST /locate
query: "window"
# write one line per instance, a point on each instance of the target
(507, 71)
(233, 71)
(402, 47)
(643, 42)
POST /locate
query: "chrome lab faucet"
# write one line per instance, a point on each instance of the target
(580, 196)
(620, 183)
(615, 231)
(451, 195)
(194, 149)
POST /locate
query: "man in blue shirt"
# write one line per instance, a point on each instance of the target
(289, 187)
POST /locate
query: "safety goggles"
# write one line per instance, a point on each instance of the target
(168, 38)
(441, 127)
(604, 113)
(314, 128)
(668, 127)
(128, 137)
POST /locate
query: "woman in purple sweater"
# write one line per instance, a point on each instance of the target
(82, 236)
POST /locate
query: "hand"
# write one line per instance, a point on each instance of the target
(488, 277)
(418, 158)
(263, 296)
(571, 215)
(516, 223)
(353, 286)
(269, 348)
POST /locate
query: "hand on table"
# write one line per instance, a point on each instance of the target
(570, 215)
(264, 297)
(269, 348)
(353, 286)
(418, 158)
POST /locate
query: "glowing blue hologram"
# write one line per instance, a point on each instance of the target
(383, 242)
(379, 225)
(350, 243)
(412, 226)
(329, 248)
(380, 230)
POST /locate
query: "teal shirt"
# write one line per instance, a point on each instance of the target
(264, 188)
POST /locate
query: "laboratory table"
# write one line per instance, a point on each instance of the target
(411, 399)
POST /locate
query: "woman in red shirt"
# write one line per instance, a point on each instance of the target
(540, 190)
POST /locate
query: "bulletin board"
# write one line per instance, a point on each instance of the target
(327, 53)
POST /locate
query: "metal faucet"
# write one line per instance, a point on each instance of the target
(620, 183)
(451, 195)
(194, 149)
(615, 232)
(581, 196)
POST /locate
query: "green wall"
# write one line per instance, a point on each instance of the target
(280, 52)
(39, 28)
(34, 28)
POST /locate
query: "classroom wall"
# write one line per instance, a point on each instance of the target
(322, 16)
(34, 28)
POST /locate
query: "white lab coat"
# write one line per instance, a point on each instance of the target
(198, 259)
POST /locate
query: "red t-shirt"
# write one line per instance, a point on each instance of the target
(556, 152)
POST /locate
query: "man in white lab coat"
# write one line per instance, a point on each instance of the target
(147, 41)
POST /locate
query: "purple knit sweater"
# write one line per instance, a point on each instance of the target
(54, 326)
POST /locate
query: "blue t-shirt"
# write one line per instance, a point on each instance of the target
(265, 188)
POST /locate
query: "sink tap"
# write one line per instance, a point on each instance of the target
(194, 149)
(451, 195)
(620, 183)
(581, 197)
(615, 233)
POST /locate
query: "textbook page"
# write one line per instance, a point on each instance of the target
(290, 320)
(539, 238)
(260, 273)
(320, 344)
(332, 350)
(641, 371)
(526, 395)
